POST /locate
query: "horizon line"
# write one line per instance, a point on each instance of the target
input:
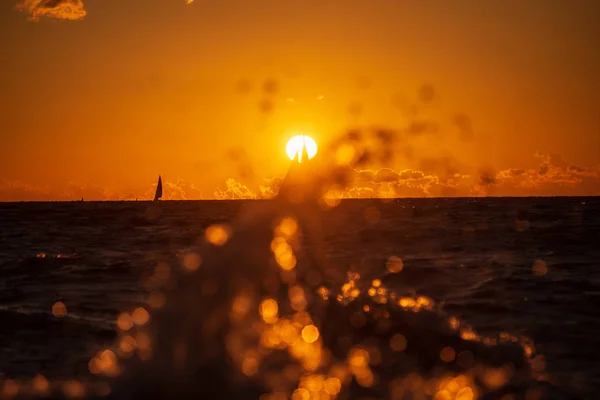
(341, 199)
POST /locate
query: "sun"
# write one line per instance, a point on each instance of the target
(296, 144)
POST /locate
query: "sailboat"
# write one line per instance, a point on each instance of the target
(158, 193)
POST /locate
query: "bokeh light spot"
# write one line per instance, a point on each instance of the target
(192, 261)
(398, 342)
(10, 388)
(310, 333)
(156, 300)
(40, 385)
(140, 316)
(124, 321)
(73, 389)
(59, 309)
(539, 268)
(217, 234)
(447, 354)
(332, 386)
(269, 310)
(394, 264)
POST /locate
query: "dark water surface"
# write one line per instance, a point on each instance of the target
(474, 257)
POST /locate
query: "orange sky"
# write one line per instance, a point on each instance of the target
(101, 96)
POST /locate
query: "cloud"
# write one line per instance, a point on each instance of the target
(555, 176)
(58, 9)
(234, 189)
(447, 177)
(17, 191)
(270, 187)
(179, 189)
(386, 183)
(487, 177)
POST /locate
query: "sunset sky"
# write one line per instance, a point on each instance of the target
(99, 97)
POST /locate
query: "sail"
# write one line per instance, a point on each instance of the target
(304, 155)
(158, 193)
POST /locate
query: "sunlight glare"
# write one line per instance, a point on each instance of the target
(296, 144)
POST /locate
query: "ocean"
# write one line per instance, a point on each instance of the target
(405, 299)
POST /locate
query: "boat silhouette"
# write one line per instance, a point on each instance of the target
(159, 191)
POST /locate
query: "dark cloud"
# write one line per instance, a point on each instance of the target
(58, 9)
